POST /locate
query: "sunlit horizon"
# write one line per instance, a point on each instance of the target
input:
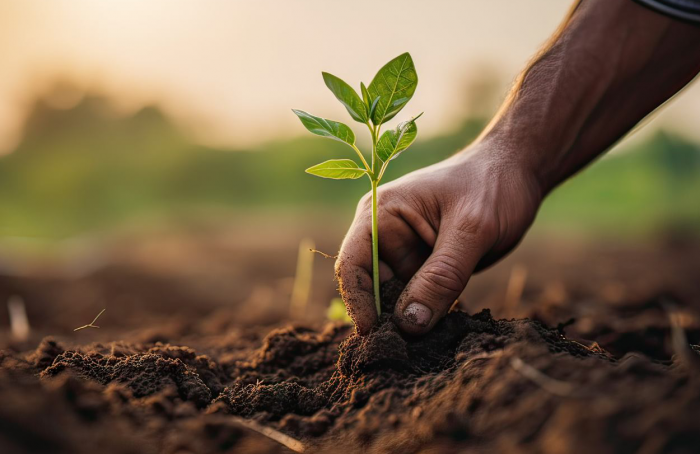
(228, 72)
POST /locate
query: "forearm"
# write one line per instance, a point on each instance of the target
(611, 63)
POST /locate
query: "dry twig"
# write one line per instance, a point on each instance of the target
(92, 323)
(324, 255)
(549, 384)
(283, 439)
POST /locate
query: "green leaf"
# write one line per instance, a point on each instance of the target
(348, 97)
(365, 94)
(337, 169)
(395, 83)
(326, 128)
(371, 104)
(393, 142)
(374, 106)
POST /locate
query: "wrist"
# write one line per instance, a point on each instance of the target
(499, 191)
(495, 161)
(504, 152)
(559, 96)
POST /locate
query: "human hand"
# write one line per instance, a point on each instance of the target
(437, 226)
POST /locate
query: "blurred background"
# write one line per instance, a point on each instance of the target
(150, 159)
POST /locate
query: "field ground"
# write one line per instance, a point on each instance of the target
(197, 330)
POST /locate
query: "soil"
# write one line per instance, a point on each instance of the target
(623, 379)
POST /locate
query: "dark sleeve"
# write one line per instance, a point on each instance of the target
(688, 10)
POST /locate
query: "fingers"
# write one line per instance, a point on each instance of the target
(353, 269)
(439, 282)
(400, 247)
(385, 273)
(401, 253)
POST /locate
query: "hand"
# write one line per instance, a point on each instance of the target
(606, 68)
(437, 226)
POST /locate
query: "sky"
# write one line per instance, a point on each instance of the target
(230, 71)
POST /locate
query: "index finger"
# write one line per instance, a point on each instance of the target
(353, 269)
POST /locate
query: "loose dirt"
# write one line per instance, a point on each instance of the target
(476, 383)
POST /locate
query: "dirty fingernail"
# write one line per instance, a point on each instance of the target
(418, 314)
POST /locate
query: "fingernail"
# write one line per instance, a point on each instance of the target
(418, 314)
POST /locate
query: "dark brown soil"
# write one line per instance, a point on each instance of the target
(474, 384)
(381, 373)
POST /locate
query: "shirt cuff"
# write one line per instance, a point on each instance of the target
(688, 10)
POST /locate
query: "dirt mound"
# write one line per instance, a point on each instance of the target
(382, 377)
(474, 383)
(144, 374)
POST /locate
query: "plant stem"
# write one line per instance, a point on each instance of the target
(375, 235)
(359, 153)
(375, 248)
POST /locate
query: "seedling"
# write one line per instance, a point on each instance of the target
(386, 95)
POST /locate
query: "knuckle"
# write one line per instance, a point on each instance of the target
(477, 225)
(390, 193)
(386, 192)
(488, 225)
(365, 202)
(445, 278)
(393, 200)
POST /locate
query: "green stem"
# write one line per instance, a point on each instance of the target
(381, 172)
(375, 235)
(359, 153)
(375, 248)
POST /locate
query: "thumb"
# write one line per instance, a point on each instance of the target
(439, 282)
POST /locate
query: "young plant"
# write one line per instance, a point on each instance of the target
(386, 95)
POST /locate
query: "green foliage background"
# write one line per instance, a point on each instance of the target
(85, 170)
